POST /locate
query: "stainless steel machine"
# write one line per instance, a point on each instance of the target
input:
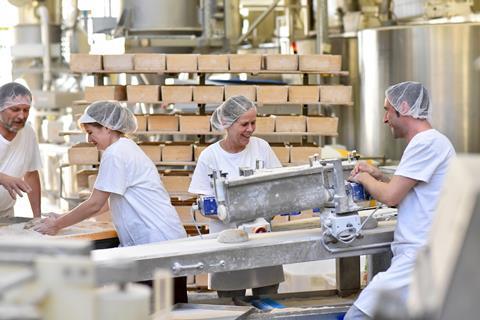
(265, 193)
(179, 26)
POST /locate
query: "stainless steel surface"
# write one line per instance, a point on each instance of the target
(163, 16)
(442, 58)
(262, 250)
(237, 312)
(309, 313)
(179, 268)
(321, 25)
(31, 33)
(268, 194)
(46, 41)
(25, 251)
(340, 197)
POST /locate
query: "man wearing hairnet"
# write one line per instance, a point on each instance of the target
(19, 152)
(237, 149)
(414, 188)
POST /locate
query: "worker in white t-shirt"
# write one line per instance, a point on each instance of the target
(19, 152)
(139, 203)
(238, 149)
(414, 188)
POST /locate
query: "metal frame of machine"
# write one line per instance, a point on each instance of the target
(263, 194)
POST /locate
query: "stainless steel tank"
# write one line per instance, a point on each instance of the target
(440, 56)
(163, 16)
(347, 47)
(30, 33)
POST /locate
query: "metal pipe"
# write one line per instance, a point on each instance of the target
(232, 19)
(340, 198)
(257, 22)
(46, 57)
(206, 9)
(321, 26)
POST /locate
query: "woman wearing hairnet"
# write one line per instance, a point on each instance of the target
(127, 178)
(237, 149)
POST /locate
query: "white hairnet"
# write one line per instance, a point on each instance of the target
(229, 111)
(409, 99)
(111, 115)
(14, 94)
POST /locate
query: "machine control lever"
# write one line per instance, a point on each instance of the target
(178, 268)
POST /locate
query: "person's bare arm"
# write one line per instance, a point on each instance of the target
(390, 193)
(83, 211)
(15, 186)
(32, 178)
(104, 209)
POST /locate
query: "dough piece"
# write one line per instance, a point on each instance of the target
(232, 236)
(30, 224)
(372, 223)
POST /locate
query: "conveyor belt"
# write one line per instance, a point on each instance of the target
(194, 255)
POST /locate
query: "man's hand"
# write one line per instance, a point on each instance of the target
(368, 168)
(359, 177)
(47, 226)
(15, 186)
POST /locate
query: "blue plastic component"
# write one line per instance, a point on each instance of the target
(358, 192)
(295, 213)
(207, 205)
(266, 304)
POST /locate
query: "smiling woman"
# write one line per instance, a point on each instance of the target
(236, 117)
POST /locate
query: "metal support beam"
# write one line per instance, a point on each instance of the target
(348, 275)
(378, 263)
(257, 22)
(321, 26)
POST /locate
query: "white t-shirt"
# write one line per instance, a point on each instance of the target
(140, 205)
(17, 157)
(425, 159)
(215, 158)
